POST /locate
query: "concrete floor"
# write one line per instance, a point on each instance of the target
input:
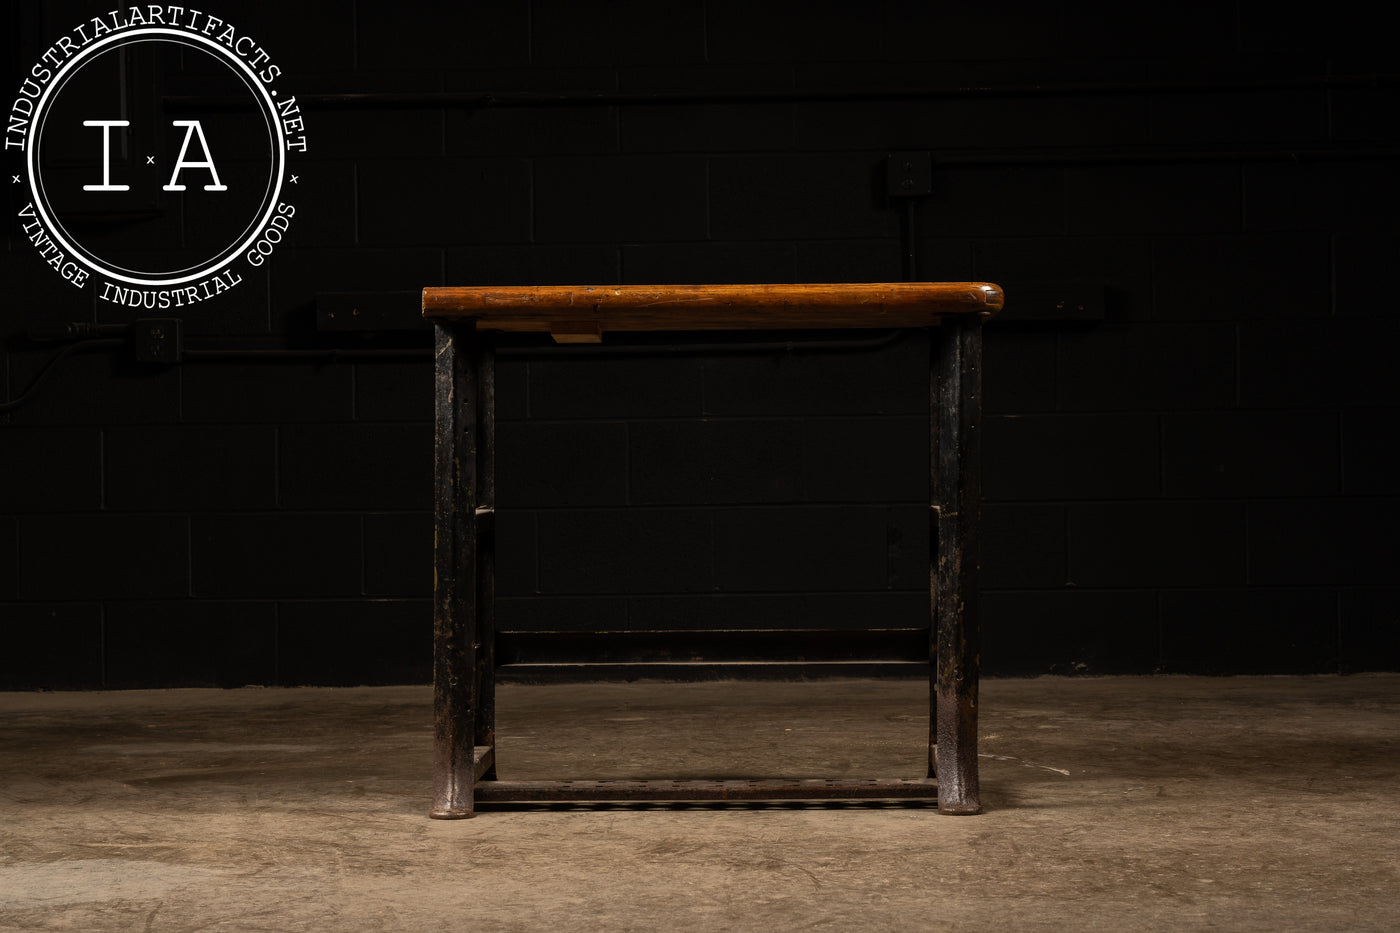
(1115, 804)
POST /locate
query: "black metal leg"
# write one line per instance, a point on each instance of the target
(955, 423)
(464, 564)
(455, 392)
(485, 699)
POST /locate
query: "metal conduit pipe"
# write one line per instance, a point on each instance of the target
(484, 99)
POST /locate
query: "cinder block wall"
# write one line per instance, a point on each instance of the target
(1203, 481)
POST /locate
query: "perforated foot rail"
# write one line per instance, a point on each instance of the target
(464, 636)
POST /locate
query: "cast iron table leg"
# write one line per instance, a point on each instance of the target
(455, 403)
(485, 646)
(955, 425)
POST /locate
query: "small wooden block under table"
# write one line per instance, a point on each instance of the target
(465, 320)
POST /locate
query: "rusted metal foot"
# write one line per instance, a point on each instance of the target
(453, 798)
(958, 807)
(958, 790)
(457, 798)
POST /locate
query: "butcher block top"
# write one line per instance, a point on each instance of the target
(582, 313)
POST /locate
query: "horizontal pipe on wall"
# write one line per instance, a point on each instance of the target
(485, 99)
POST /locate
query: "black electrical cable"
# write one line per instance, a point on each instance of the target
(911, 243)
(543, 351)
(303, 356)
(58, 357)
(53, 331)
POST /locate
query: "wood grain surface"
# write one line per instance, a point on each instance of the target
(584, 312)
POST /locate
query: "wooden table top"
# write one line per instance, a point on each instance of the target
(582, 313)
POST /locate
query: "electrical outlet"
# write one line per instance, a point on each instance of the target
(909, 174)
(157, 340)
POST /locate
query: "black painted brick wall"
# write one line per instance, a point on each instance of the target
(1204, 481)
